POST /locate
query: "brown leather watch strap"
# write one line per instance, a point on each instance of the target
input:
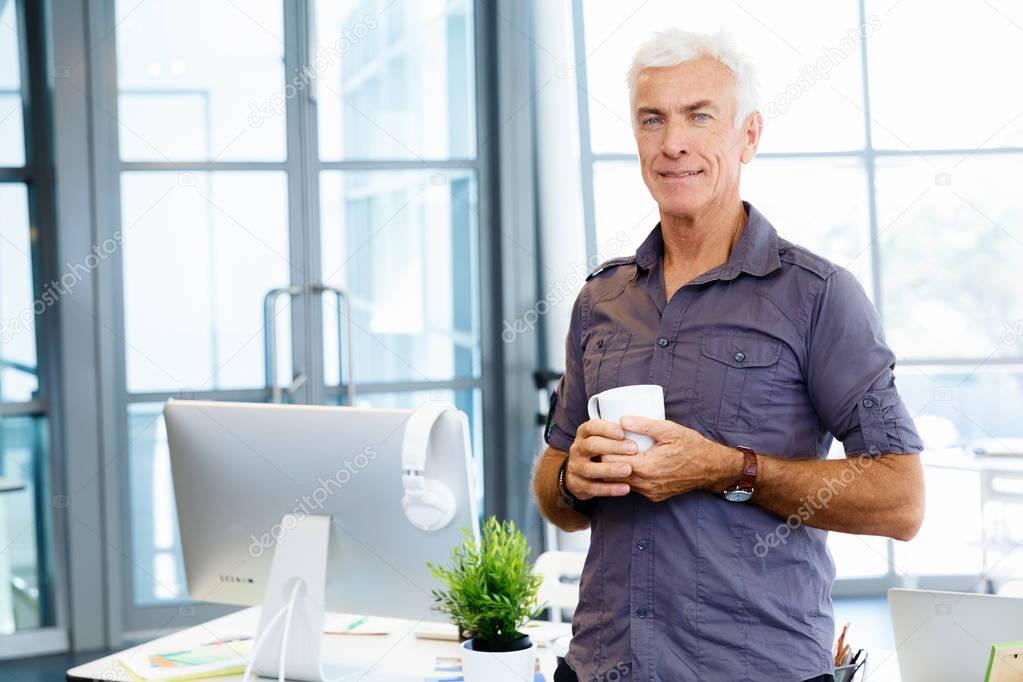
(749, 467)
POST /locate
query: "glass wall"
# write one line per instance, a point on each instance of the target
(217, 208)
(26, 581)
(896, 164)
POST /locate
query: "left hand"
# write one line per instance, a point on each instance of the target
(680, 461)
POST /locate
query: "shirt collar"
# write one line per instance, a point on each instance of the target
(756, 251)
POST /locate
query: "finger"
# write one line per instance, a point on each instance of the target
(599, 445)
(588, 489)
(658, 429)
(620, 459)
(602, 470)
(600, 427)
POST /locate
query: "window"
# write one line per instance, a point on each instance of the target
(26, 310)
(245, 168)
(897, 164)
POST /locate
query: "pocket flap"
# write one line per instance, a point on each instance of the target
(742, 350)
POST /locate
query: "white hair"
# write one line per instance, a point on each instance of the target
(674, 46)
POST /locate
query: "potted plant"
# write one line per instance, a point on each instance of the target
(492, 593)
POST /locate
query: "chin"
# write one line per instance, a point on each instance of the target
(679, 206)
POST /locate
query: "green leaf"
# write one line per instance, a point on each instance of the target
(491, 588)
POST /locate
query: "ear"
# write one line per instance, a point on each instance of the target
(754, 126)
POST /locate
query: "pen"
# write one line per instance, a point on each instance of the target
(856, 657)
(355, 623)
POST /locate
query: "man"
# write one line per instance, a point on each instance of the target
(708, 556)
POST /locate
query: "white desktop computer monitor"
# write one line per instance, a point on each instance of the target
(251, 479)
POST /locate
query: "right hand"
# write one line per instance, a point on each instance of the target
(585, 475)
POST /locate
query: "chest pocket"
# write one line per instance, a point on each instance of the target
(736, 378)
(602, 360)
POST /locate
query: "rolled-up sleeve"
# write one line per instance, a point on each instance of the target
(850, 375)
(568, 403)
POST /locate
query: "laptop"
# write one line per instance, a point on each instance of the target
(948, 635)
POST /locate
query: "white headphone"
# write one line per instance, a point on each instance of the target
(429, 503)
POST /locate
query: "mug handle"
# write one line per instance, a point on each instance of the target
(593, 407)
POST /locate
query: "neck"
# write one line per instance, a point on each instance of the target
(694, 244)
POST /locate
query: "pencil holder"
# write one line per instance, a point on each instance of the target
(848, 673)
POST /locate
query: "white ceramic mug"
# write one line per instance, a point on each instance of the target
(639, 400)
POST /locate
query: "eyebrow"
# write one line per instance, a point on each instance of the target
(700, 104)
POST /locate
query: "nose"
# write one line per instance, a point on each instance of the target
(676, 140)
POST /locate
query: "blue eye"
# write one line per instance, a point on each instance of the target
(651, 119)
(702, 114)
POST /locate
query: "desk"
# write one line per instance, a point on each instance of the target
(402, 657)
(6, 599)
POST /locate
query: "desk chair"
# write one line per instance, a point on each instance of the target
(560, 587)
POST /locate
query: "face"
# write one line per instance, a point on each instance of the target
(690, 150)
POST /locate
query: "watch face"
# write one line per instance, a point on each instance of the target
(738, 495)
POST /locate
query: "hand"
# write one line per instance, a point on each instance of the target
(588, 474)
(681, 460)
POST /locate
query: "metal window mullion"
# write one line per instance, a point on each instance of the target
(408, 386)
(399, 164)
(870, 161)
(295, 60)
(28, 408)
(259, 394)
(586, 157)
(40, 192)
(101, 54)
(311, 202)
(203, 166)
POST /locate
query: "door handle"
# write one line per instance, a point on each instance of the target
(344, 336)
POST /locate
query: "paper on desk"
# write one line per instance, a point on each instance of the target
(449, 669)
(206, 660)
(346, 624)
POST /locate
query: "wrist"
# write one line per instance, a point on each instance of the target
(567, 497)
(726, 467)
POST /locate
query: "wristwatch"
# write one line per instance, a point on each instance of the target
(744, 489)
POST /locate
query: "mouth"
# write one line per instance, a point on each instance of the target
(678, 174)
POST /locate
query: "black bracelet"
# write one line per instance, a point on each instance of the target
(567, 498)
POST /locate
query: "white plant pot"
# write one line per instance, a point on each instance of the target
(498, 666)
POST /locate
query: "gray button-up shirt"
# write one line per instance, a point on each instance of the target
(778, 350)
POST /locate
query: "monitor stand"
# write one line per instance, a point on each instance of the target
(291, 623)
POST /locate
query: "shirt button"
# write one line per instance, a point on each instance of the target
(641, 612)
(868, 403)
(643, 544)
(662, 342)
(739, 356)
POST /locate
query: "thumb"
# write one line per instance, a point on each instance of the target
(658, 429)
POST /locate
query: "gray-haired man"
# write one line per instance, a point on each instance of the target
(708, 556)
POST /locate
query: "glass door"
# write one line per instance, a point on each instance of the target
(298, 209)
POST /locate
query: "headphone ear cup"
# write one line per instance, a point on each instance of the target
(432, 510)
